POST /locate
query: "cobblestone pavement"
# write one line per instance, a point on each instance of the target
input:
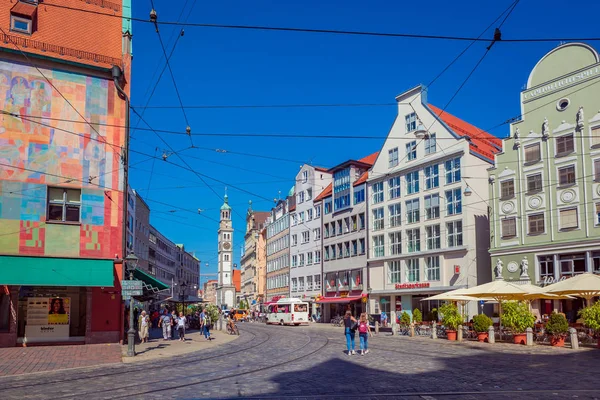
(276, 362)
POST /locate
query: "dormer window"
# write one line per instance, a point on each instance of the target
(23, 17)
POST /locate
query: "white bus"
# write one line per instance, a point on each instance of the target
(288, 312)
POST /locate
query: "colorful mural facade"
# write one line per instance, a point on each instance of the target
(44, 142)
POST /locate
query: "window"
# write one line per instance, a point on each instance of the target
(597, 213)
(226, 257)
(546, 266)
(565, 145)
(354, 248)
(536, 224)
(301, 260)
(304, 176)
(64, 205)
(395, 243)
(377, 192)
(339, 227)
(317, 282)
(568, 218)
(305, 237)
(454, 232)
(452, 171)
(433, 268)
(361, 246)
(597, 170)
(309, 282)
(532, 153)
(301, 197)
(534, 183)
(21, 25)
(294, 261)
(566, 175)
(326, 253)
(430, 144)
(394, 187)
(346, 249)
(509, 227)
(413, 240)
(326, 230)
(294, 284)
(317, 256)
(378, 219)
(294, 220)
(301, 217)
(317, 233)
(596, 262)
(378, 247)
(309, 258)
(347, 225)
(393, 157)
(361, 221)
(340, 253)
(309, 214)
(572, 264)
(412, 182)
(432, 206)
(432, 234)
(395, 215)
(412, 270)
(294, 240)
(411, 150)
(328, 207)
(411, 122)
(359, 195)
(595, 136)
(412, 211)
(342, 201)
(394, 272)
(432, 176)
(507, 189)
(317, 211)
(453, 201)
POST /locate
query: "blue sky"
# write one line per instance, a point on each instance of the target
(241, 67)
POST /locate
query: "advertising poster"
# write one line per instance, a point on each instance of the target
(37, 311)
(59, 310)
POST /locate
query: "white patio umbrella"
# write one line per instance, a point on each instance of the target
(456, 295)
(583, 285)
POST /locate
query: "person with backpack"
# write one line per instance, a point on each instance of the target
(350, 325)
(364, 331)
(206, 324)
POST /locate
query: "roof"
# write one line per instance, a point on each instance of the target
(321, 169)
(362, 179)
(64, 32)
(480, 142)
(292, 208)
(370, 159)
(237, 279)
(325, 193)
(364, 162)
(226, 205)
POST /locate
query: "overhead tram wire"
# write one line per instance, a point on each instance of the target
(327, 31)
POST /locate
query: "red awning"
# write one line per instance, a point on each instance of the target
(340, 300)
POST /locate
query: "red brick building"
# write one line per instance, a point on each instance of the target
(61, 173)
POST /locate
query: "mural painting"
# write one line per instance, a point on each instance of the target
(44, 141)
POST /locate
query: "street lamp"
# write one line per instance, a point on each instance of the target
(131, 262)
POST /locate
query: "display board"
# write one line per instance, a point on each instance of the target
(47, 318)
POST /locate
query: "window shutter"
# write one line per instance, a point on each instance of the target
(568, 218)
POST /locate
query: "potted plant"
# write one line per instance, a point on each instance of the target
(451, 319)
(404, 319)
(481, 325)
(433, 315)
(517, 318)
(417, 316)
(558, 327)
(591, 318)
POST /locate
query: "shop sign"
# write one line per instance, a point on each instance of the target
(548, 280)
(416, 285)
(561, 83)
(131, 288)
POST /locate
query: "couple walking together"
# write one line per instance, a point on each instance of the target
(351, 325)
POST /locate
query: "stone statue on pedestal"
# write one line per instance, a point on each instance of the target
(498, 269)
(580, 118)
(525, 268)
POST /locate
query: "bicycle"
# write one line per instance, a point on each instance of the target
(232, 328)
(337, 321)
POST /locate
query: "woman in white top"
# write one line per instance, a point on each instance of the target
(181, 326)
(143, 324)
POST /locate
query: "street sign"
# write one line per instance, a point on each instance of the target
(131, 288)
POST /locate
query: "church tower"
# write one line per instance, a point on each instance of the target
(225, 288)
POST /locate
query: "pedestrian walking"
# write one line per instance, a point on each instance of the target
(143, 326)
(364, 331)
(173, 323)
(350, 325)
(165, 321)
(205, 321)
(181, 326)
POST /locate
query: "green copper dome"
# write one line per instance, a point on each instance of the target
(225, 205)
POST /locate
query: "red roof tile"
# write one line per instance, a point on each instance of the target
(362, 179)
(292, 208)
(23, 9)
(325, 193)
(480, 142)
(321, 169)
(370, 159)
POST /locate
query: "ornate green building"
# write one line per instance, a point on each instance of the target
(545, 186)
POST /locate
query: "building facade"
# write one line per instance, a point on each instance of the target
(142, 233)
(544, 189)
(162, 257)
(255, 221)
(62, 187)
(306, 236)
(428, 218)
(278, 251)
(188, 269)
(345, 238)
(261, 266)
(226, 291)
(210, 291)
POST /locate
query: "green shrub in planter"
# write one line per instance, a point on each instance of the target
(404, 318)
(417, 316)
(451, 318)
(591, 316)
(433, 315)
(516, 316)
(557, 325)
(482, 323)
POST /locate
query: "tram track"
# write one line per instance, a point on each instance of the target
(188, 359)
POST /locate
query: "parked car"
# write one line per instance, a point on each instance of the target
(241, 315)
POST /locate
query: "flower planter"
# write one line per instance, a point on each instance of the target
(482, 336)
(451, 334)
(520, 338)
(557, 341)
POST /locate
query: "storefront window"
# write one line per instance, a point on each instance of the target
(546, 267)
(330, 282)
(356, 280)
(343, 281)
(572, 264)
(384, 304)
